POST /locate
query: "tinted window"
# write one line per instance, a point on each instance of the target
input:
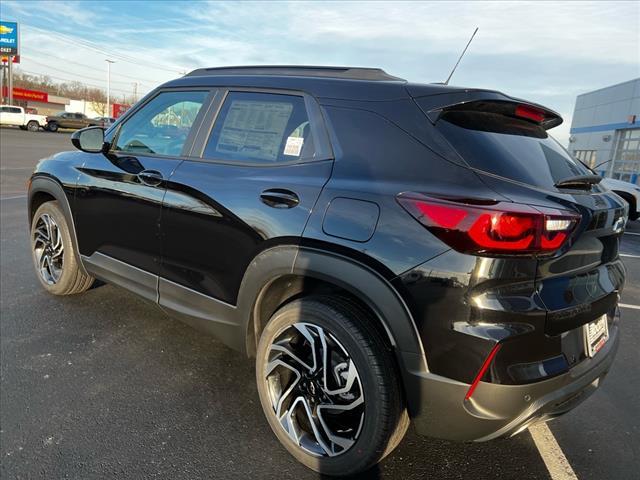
(162, 125)
(15, 110)
(261, 127)
(509, 147)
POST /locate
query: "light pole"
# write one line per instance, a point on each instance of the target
(109, 62)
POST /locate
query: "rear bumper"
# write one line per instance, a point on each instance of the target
(503, 410)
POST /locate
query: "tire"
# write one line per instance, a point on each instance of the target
(33, 126)
(372, 428)
(52, 126)
(60, 273)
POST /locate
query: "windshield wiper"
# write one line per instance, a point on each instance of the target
(579, 181)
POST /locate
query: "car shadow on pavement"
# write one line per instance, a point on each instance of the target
(119, 386)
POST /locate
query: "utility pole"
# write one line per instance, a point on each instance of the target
(10, 70)
(135, 92)
(1, 83)
(109, 62)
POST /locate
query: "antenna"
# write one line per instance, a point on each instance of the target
(461, 55)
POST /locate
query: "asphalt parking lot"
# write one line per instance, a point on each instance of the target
(104, 385)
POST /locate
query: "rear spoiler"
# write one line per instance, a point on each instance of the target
(435, 105)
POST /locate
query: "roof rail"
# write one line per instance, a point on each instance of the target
(350, 73)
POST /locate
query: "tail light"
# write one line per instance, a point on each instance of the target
(530, 113)
(490, 227)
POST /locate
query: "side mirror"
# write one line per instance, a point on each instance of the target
(90, 139)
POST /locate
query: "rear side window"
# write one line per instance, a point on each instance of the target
(510, 147)
(261, 128)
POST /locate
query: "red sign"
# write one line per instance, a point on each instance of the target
(16, 59)
(24, 94)
(118, 109)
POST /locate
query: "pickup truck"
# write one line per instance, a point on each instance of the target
(13, 115)
(69, 120)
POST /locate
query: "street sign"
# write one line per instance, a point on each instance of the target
(8, 38)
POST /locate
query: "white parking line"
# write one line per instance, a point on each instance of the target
(13, 197)
(631, 233)
(551, 453)
(626, 305)
(628, 255)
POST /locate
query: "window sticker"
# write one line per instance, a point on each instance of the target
(293, 146)
(254, 129)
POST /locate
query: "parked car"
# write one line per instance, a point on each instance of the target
(386, 251)
(16, 116)
(69, 120)
(104, 122)
(629, 191)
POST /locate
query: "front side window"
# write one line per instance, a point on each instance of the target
(161, 126)
(261, 128)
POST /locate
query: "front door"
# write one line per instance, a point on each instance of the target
(119, 195)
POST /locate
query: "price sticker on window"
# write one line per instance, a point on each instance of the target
(293, 146)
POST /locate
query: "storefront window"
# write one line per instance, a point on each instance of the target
(588, 157)
(626, 164)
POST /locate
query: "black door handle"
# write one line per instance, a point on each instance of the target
(279, 198)
(153, 178)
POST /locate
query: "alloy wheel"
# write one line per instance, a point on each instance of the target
(48, 249)
(315, 390)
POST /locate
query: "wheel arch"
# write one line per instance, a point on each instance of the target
(282, 274)
(43, 189)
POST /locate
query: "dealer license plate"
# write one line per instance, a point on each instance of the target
(596, 335)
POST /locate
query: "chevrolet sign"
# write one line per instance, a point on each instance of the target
(8, 38)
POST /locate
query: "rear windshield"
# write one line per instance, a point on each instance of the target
(509, 147)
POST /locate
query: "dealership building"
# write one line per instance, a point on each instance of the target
(605, 130)
(44, 103)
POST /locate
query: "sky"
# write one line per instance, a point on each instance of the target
(546, 52)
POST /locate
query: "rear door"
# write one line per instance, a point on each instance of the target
(119, 195)
(80, 120)
(260, 169)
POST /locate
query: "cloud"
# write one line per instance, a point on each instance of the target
(543, 51)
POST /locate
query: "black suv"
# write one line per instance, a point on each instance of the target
(387, 251)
